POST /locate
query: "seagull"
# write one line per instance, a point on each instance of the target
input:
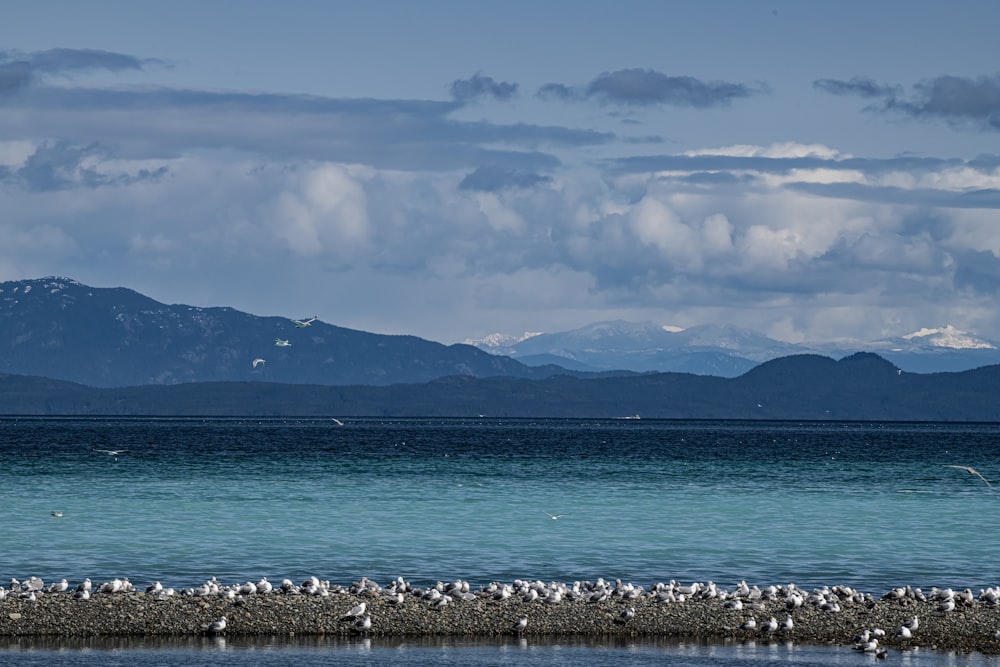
(282, 343)
(57, 514)
(305, 323)
(112, 452)
(257, 362)
(216, 626)
(337, 421)
(357, 611)
(555, 516)
(521, 624)
(364, 624)
(971, 471)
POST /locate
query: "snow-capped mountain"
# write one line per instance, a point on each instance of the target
(949, 337)
(726, 351)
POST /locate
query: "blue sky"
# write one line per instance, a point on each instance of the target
(811, 170)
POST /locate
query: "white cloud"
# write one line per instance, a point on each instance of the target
(777, 150)
(323, 212)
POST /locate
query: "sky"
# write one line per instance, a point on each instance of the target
(814, 171)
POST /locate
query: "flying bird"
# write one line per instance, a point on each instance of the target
(555, 516)
(282, 343)
(112, 452)
(971, 471)
(305, 323)
(257, 362)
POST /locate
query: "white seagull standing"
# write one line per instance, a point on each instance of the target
(364, 624)
(521, 624)
(216, 626)
(356, 611)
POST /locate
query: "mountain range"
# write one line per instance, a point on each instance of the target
(861, 386)
(70, 349)
(726, 351)
(115, 337)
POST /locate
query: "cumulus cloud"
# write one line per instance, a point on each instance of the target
(647, 87)
(273, 225)
(393, 215)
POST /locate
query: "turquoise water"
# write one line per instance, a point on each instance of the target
(869, 505)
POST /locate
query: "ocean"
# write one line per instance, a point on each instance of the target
(869, 505)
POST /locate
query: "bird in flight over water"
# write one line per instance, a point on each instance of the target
(555, 516)
(112, 452)
(305, 323)
(282, 343)
(972, 471)
(257, 362)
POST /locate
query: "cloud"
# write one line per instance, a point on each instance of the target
(860, 86)
(397, 215)
(399, 134)
(18, 70)
(492, 178)
(14, 76)
(961, 101)
(250, 233)
(979, 271)
(60, 166)
(904, 180)
(558, 91)
(478, 86)
(647, 87)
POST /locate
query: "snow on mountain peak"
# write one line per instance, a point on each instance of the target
(949, 337)
(500, 340)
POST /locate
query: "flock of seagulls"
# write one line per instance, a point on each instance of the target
(745, 599)
(753, 607)
(284, 342)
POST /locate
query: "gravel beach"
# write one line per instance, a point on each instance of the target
(830, 616)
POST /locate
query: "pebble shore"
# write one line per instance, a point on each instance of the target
(972, 625)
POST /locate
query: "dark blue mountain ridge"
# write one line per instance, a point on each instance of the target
(862, 386)
(115, 337)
